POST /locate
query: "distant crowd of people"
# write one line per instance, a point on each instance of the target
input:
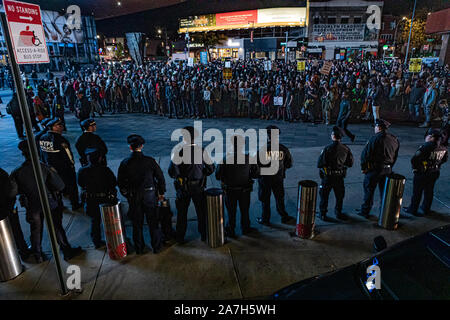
(351, 91)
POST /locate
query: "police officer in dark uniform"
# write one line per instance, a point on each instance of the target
(24, 182)
(236, 174)
(377, 159)
(89, 139)
(56, 152)
(333, 163)
(273, 182)
(426, 164)
(98, 185)
(8, 193)
(190, 183)
(141, 181)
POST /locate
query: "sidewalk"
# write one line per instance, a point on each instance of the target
(249, 267)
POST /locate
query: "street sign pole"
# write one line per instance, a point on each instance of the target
(410, 32)
(33, 151)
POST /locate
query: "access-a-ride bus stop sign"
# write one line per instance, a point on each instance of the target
(26, 31)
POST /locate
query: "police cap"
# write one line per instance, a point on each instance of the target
(436, 133)
(45, 121)
(85, 124)
(135, 140)
(53, 122)
(382, 123)
(337, 132)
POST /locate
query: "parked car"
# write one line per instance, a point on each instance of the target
(417, 268)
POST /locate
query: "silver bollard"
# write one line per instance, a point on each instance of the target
(115, 238)
(392, 201)
(10, 265)
(215, 231)
(306, 209)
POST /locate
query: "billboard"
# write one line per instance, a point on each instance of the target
(282, 15)
(56, 29)
(261, 18)
(237, 18)
(206, 20)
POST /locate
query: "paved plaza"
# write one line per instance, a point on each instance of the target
(252, 266)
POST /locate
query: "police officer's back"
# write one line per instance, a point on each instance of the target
(377, 159)
(426, 164)
(141, 180)
(236, 174)
(333, 163)
(279, 160)
(98, 185)
(190, 182)
(89, 139)
(23, 179)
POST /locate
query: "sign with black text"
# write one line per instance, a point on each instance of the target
(26, 31)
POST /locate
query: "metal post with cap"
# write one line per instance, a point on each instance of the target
(33, 150)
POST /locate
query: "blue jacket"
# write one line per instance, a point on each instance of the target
(429, 97)
(344, 109)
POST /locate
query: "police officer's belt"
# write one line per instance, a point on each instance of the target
(238, 188)
(335, 172)
(97, 195)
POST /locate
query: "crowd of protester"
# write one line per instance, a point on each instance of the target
(351, 91)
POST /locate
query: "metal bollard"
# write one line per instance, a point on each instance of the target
(215, 232)
(115, 239)
(10, 265)
(306, 209)
(392, 201)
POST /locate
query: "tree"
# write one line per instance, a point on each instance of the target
(418, 35)
(119, 51)
(210, 40)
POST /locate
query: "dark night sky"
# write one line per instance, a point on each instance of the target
(168, 16)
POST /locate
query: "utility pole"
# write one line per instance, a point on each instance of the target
(20, 91)
(286, 48)
(410, 31)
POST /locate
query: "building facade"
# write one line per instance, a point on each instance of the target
(338, 29)
(260, 33)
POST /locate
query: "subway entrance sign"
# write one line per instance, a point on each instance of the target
(26, 31)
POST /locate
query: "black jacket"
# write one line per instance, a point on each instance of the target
(97, 179)
(138, 172)
(429, 157)
(381, 149)
(282, 156)
(89, 140)
(25, 184)
(56, 152)
(7, 194)
(335, 156)
(234, 175)
(192, 171)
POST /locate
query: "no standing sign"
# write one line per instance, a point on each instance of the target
(26, 31)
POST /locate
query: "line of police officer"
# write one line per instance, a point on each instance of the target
(141, 181)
